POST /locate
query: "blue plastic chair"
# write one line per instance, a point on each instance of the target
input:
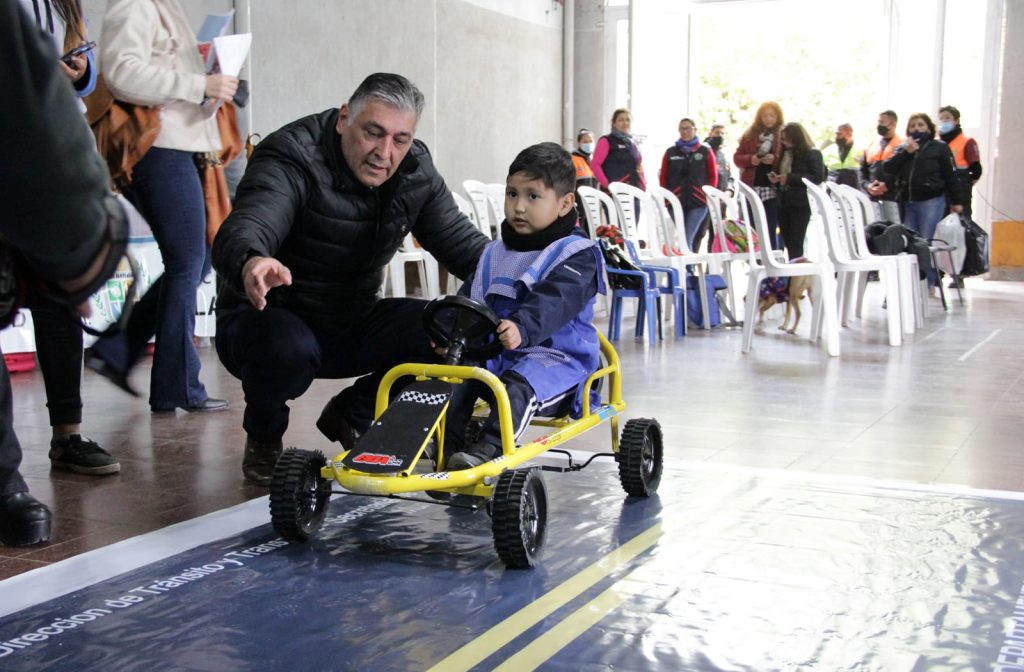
(647, 303)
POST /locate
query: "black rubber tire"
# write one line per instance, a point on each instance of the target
(519, 511)
(298, 494)
(640, 457)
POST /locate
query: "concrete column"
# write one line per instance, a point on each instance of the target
(1007, 196)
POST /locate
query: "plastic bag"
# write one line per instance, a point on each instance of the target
(950, 230)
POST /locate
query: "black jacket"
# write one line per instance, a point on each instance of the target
(794, 193)
(300, 203)
(925, 174)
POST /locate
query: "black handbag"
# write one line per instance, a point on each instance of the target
(976, 262)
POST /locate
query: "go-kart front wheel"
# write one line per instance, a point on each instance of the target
(640, 457)
(298, 494)
(519, 513)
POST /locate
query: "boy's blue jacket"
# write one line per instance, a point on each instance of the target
(549, 294)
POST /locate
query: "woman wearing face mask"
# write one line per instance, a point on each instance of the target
(687, 166)
(581, 159)
(925, 176)
(758, 154)
(799, 160)
(616, 156)
(966, 155)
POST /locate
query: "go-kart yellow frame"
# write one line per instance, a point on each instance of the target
(479, 481)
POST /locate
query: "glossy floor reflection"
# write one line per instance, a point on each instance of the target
(946, 407)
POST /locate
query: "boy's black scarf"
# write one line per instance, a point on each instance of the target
(560, 228)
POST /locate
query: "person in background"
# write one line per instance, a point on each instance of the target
(581, 159)
(617, 157)
(687, 166)
(150, 57)
(58, 332)
(799, 160)
(757, 155)
(840, 159)
(716, 141)
(72, 243)
(922, 168)
(966, 155)
(875, 180)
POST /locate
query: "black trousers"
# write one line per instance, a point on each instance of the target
(522, 400)
(10, 450)
(793, 222)
(277, 355)
(58, 334)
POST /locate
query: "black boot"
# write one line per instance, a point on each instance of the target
(333, 424)
(24, 520)
(259, 460)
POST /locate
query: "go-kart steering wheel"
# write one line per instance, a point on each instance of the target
(467, 328)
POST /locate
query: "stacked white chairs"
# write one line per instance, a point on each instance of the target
(466, 208)
(912, 288)
(764, 264)
(725, 259)
(590, 206)
(649, 258)
(480, 201)
(671, 235)
(409, 253)
(848, 265)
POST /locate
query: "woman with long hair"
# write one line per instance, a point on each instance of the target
(617, 157)
(758, 154)
(800, 159)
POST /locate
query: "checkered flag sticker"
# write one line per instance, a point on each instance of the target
(423, 398)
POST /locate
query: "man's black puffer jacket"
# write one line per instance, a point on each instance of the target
(300, 203)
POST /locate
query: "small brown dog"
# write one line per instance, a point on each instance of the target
(791, 290)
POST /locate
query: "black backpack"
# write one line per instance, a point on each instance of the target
(615, 258)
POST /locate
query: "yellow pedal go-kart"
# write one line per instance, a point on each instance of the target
(409, 432)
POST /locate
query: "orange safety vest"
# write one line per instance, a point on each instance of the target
(582, 167)
(957, 146)
(875, 153)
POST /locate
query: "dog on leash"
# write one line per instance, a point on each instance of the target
(788, 290)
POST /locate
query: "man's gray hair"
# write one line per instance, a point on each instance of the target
(392, 90)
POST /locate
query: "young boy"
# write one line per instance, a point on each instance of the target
(540, 278)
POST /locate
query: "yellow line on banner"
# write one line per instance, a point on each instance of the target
(554, 640)
(501, 634)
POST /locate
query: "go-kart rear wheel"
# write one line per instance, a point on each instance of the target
(519, 511)
(640, 457)
(298, 494)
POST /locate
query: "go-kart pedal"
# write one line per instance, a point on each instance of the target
(402, 431)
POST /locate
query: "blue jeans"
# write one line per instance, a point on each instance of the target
(166, 190)
(924, 217)
(692, 218)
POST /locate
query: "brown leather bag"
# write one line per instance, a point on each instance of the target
(211, 170)
(124, 132)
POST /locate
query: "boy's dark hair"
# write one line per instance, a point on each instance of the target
(550, 164)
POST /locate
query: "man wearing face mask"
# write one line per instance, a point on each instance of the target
(840, 159)
(966, 154)
(716, 141)
(880, 186)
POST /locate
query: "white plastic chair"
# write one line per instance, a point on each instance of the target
(452, 286)
(724, 259)
(847, 265)
(764, 264)
(671, 231)
(912, 287)
(408, 253)
(480, 203)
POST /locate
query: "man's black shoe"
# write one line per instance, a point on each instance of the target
(74, 452)
(119, 378)
(210, 405)
(259, 460)
(24, 520)
(335, 427)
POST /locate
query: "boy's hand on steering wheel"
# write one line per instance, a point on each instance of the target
(508, 334)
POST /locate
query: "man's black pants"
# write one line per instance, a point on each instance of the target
(277, 356)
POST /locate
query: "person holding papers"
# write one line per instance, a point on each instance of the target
(150, 56)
